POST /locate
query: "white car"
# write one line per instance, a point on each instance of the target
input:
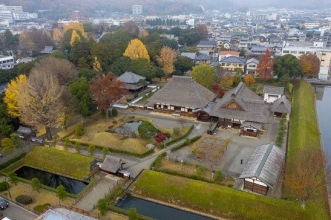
(38, 140)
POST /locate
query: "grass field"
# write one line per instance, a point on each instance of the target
(217, 200)
(304, 134)
(57, 161)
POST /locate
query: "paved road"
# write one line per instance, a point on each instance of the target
(15, 212)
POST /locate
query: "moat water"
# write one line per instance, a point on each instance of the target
(323, 106)
(158, 211)
(50, 179)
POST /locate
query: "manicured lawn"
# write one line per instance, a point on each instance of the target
(39, 198)
(57, 161)
(217, 200)
(304, 134)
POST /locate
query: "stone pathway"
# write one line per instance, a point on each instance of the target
(99, 191)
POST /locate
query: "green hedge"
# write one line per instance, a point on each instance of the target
(185, 143)
(11, 161)
(112, 150)
(178, 139)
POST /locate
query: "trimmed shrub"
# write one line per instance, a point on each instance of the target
(160, 137)
(79, 130)
(114, 112)
(24, 199)
(176, 131)
(4, 186)
(41, 208)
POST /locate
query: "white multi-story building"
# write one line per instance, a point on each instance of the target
(137, 9)
(7, 16)
(309, 25)
(6, 62)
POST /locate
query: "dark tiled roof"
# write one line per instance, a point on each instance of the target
(183, 91)
(207, 43)
(111, 164)
(233, 59)
(273, 90)
(129, 77)
(252, 106)
(47, 49)
(265, 164)
(281, 105)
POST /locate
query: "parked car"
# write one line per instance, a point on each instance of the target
(37, 140)
(3, 204)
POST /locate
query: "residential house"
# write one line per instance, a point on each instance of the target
(6, 62)
(198, 58)
(263, 169)
(133, 82)
(231, 63)
(224, 54)
(272, 93)
(182, 96)
(240, 105)
(211, 46)
(251, 66)
(281, 106)
(324, 73)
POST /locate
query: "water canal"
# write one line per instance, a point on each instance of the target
(323, 106)
(50, 179)
(158, 211)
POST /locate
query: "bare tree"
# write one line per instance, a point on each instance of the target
(41, 100)
(182, 121)
(308, 176)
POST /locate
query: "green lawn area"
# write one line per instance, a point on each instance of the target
(216, 200)
(304, 134)
(57, 161)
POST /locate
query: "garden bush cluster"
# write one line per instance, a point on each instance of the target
(41, 208)
(24, 199)
(179, 138)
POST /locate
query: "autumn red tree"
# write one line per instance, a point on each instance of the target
(310, 65)
(265, 66)
(106, 90)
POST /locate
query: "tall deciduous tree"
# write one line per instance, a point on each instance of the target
(42, 100)
(287, 64)
(166, 60)
(308, 175)
(135, 50)
(57, 36)
(225, 80)
(310, 65)
(106, 90)
(204, 75)
(11, 95)
(79, 27)
(265, 66)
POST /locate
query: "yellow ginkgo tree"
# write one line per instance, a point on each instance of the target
(11, 95)
(136, 49)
